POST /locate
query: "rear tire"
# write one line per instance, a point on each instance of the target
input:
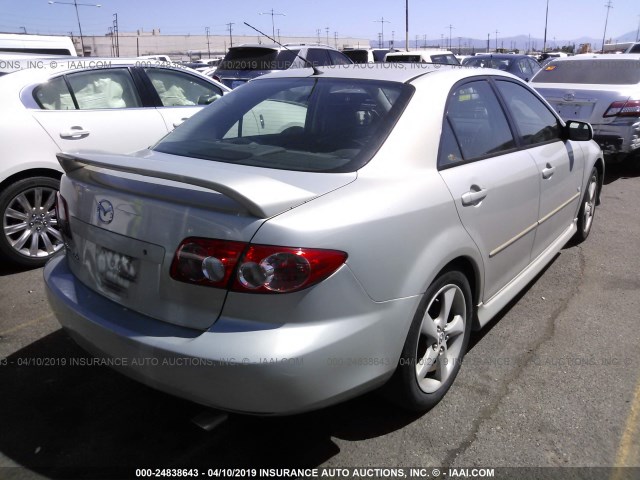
(435, 346)
(30, 233)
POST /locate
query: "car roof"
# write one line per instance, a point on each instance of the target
(599, 57)
(430, 51)
(46, 66)
(273, 46)
(402, 73)
(500, 55)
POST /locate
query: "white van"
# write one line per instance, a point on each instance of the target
(36, 44)
(423, 56)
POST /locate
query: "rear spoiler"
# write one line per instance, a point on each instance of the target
(262, 195)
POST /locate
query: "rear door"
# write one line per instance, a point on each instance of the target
(97, 109)
(495, 186)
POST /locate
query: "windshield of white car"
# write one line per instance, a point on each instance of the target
(300, 124)
(593, 71)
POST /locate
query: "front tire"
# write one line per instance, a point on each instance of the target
(30, 233)
(436, 343)
(587, 208)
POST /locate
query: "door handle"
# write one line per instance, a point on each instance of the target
(474, 196)
(177, 124)
(548, 171)
(75, 133)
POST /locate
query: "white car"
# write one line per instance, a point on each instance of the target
(113, 105)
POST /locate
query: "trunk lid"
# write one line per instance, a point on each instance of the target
(129, 214)
(586, 103)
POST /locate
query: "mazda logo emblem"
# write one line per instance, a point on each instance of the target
(105, 211)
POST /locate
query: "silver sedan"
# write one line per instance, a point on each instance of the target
(318, 234)
(603, 90)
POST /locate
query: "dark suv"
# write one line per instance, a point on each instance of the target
(245, 62)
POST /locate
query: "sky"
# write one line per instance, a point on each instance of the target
(567, 19)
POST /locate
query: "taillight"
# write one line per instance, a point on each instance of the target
(260, 269)
(62, 214)
(205, 261)
(629, 108)
(266, 268)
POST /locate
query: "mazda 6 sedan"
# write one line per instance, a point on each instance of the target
(320, 233)
(52, 104)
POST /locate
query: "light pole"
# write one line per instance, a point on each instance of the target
(76, 4)
(229, 25)
(546, 18)
(608, 6)
(273, 25)
(406, 27)
(382, 22)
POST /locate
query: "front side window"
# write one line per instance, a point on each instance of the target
(179, 88)
(535, 122)
(300, 124)
(478, 121)
(104, 89)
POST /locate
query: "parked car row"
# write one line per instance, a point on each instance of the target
(250, 253)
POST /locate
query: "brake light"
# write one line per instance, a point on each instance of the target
(204, 261)
(62, 214)
(630, 108)
(242, 267)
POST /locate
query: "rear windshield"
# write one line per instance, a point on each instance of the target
(258, 59)
(446, 59)
(357, 56)
(300, 124)
(487, 62)
(593, 71)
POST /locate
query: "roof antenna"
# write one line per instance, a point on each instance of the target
(306, 62)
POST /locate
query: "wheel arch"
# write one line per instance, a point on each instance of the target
(599, 165)
(471, 270)
(34, 172)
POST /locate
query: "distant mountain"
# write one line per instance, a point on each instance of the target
(520, 42)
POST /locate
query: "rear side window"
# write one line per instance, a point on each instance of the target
(535, 123)
(300, 124)
(599, 71)
(107, 88)
(104, 89)
(54, 95)
(478, 121)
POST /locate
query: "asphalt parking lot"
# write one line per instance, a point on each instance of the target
(554, 381)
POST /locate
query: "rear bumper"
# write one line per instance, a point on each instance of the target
(239, 364)
(619, 138)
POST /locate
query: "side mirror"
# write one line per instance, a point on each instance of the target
(207, 99)
(578, 131)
